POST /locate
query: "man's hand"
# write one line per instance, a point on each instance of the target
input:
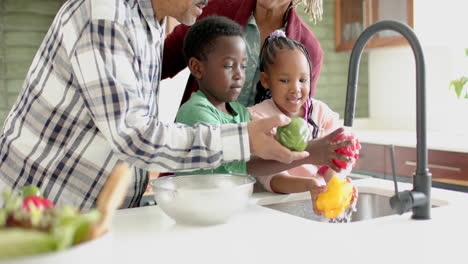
(322, 150)
(264, 144)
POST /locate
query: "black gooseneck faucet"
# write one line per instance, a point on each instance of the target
(419, 199)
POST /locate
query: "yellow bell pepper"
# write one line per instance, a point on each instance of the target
(336, 199)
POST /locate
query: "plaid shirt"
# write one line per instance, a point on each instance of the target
(90, 100)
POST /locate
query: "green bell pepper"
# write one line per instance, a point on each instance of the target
(295, 135)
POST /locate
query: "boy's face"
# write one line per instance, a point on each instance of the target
(222, 74)
(289, 81)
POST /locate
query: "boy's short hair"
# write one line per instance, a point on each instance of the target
(201, 36)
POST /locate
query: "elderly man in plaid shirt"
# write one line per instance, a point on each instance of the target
(89, 101)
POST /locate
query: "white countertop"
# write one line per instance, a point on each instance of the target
(263, 235)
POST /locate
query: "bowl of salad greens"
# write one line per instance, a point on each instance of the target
(34, 230)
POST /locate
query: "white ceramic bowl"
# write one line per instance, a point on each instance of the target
(204, 199)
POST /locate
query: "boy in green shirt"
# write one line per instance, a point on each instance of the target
(215, 53)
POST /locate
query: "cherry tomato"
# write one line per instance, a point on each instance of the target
(37, 202)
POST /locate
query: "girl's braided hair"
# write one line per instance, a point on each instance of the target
(273, 44)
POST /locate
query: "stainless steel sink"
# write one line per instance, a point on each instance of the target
(369, 205)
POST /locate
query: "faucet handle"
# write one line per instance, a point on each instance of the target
(402, 202)
(392, 156)
(406, 200)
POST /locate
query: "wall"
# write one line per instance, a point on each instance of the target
(23, 24)
(441, 28)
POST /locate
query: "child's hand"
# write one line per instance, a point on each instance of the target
(354, 198)
(316, 187)
(264, 144)
(327, 174)
(322, 150)
(350, 151)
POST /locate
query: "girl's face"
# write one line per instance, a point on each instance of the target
(222, 73)
(289, 81)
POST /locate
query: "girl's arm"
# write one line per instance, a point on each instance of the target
(286, 183)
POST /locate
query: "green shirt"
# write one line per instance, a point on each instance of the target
(199, 110)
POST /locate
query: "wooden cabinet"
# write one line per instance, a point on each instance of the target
(353, 16)
(446, 166)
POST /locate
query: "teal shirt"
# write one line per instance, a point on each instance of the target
(252, 73)
(199, 110)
